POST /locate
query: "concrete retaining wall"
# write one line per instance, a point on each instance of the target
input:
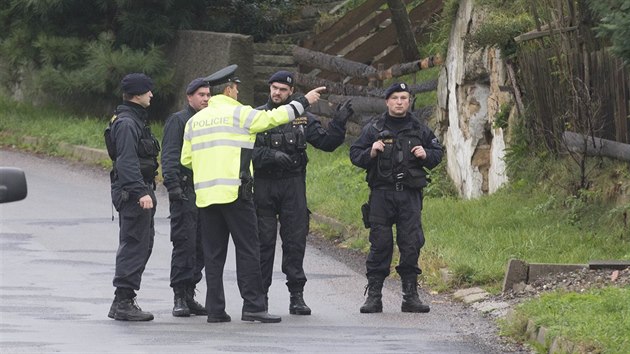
(199, 53)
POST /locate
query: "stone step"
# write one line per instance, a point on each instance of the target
(270, 48)
(263, 72)
(273, 60)
(292, 38)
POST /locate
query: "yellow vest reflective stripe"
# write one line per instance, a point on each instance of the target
(213, 140)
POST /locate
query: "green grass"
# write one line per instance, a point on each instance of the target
(474, 238)
(52, 126)
(597, 321)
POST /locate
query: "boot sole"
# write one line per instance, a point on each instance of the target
(368, 311)
(411, 310)
(297, 312)
(262, 320)
(218, 319)
(133, 319)
(181, 314)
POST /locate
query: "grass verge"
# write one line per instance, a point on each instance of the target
(596, 321)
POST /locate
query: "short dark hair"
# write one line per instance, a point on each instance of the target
(221, 87)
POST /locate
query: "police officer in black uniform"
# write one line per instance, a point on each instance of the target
(134, 152)
(187, 257)
(279, 161)
(395, 148)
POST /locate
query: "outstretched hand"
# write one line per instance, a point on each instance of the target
(313, 95)
(343, 112)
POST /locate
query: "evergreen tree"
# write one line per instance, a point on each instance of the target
(79, 49)
(614, 24)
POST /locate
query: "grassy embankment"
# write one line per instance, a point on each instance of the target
(474, 239)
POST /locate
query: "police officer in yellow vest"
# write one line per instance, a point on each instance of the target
(218, 144)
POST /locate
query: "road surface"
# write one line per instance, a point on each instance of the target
(58, 248)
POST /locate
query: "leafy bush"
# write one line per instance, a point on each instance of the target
(614, 24)
(499, 30)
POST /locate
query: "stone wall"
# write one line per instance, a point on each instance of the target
(199, 53)
(469, 97)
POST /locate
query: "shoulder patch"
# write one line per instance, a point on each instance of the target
(300, 121)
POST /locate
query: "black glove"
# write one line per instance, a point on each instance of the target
(344, 111)
(176, 194)
(282, 159)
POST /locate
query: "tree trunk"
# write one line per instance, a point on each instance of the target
(358, 70)
(596, 146)
(336, 88)
(333, 63)
(406, 39)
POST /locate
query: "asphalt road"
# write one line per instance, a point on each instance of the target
(57, 262)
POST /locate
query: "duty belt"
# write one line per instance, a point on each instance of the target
(398, 186)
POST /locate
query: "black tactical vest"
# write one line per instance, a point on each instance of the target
(148, 148)
(396, 167)
(291, 139)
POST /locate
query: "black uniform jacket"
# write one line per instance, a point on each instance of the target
(126, 134)
(314, 133)
(172, 169)
(360, 149)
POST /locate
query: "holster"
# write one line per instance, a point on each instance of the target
(365, 212)
(246, 189)
(187, 187)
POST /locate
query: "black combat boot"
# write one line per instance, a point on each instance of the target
(194, 307)
(297, 306)
(373, 303)
(128, 310)
(411, 302)
(112, 309)
(180, 306)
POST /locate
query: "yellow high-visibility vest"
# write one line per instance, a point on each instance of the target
(214, 138)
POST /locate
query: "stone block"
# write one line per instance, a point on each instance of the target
(531, 331)
(200, 53)
(446, 275)
(541, 336)
(539, 270)
(88, 154)
(462, 293)
(519, 287)
(561, 345)
(609, 264)
(469, 299)
(516, 272)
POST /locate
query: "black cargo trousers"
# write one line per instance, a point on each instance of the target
(187, 257)
(282, 200)
(389, 206)
(136, 237)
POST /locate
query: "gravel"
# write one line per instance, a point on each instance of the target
(577, 281)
